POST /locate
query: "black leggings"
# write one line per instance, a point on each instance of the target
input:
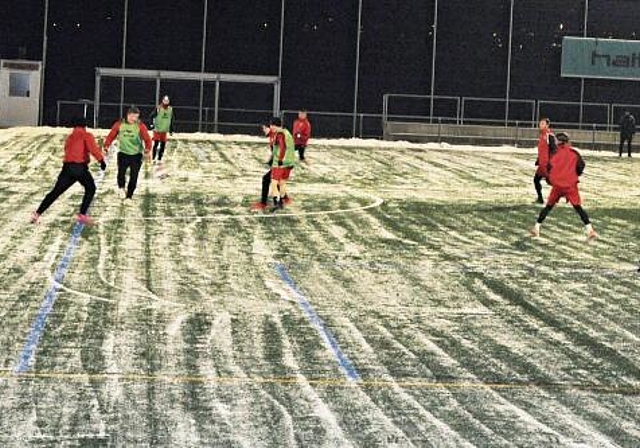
(537, 182)
(629, 140)
(158, 149)
(301, 149)
(70, 174)
(578, 208)
(266, 185)
(125, 162)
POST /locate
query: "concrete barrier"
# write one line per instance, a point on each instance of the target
(493, 135)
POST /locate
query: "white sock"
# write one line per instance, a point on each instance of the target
(537, 227)
(589, 228)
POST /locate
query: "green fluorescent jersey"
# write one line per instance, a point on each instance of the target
(290, 154)
(129, 139)
(162, 121)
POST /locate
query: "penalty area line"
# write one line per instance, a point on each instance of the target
(257, 216)
(327, 336)
(25, 359)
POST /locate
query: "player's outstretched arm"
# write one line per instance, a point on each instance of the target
(93, 148)
(115, 130)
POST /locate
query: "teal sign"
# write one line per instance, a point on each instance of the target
(601, 58)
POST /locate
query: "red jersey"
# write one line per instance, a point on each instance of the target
(280, 140)
(546, 145)
(272, 139)
(301, 132)
(79, 145)
(563, 171)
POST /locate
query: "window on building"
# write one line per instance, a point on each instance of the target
(20, 85)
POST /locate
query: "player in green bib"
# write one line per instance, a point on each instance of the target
(284, 160)
(134, 142)
(163, 117)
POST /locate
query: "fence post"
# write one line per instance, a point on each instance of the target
(361, 125)
(216, 110)
(440, 130)
(594, 137)
(58, 114)
(517, 133)
(385, 115)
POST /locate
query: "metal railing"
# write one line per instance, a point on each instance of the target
(466, 118)
(519, 133)
(567, 114)
(423, 108)
(188, 118)
(453, 110)
(545, 108)
(325, 124)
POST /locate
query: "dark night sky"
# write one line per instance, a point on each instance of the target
(320, 46)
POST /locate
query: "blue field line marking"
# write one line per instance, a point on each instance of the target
(38, 326)
(332, 344)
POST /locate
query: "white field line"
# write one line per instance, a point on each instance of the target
(568, 416)
(426, 420)
(151, 296)
(523, 415)
(320, 408)
(101, 267)
(222, 217)
(308, 394)
(324, 411)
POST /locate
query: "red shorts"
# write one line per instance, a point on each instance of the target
(281, 173)
(571, 194)
(160, 136)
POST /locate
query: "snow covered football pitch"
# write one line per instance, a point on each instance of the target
(398, 302)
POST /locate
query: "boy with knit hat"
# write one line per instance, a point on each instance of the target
(162, 118)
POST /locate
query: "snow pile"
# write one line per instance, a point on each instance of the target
(355, 143)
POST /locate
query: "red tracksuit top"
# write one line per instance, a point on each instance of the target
(281, 141)
(79, 145)
(543, 151)
(564, 167)
(301, 132)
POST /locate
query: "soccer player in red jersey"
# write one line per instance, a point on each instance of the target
(302, 133)
(565, 167)
(546, 147)
(75, 168)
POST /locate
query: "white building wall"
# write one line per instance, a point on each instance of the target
(19, 92)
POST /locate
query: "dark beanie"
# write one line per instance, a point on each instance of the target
(276, 121)
(78, 122)
(562, 137)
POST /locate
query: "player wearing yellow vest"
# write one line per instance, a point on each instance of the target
(133, 142)
(163, 117)
(284, 160)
